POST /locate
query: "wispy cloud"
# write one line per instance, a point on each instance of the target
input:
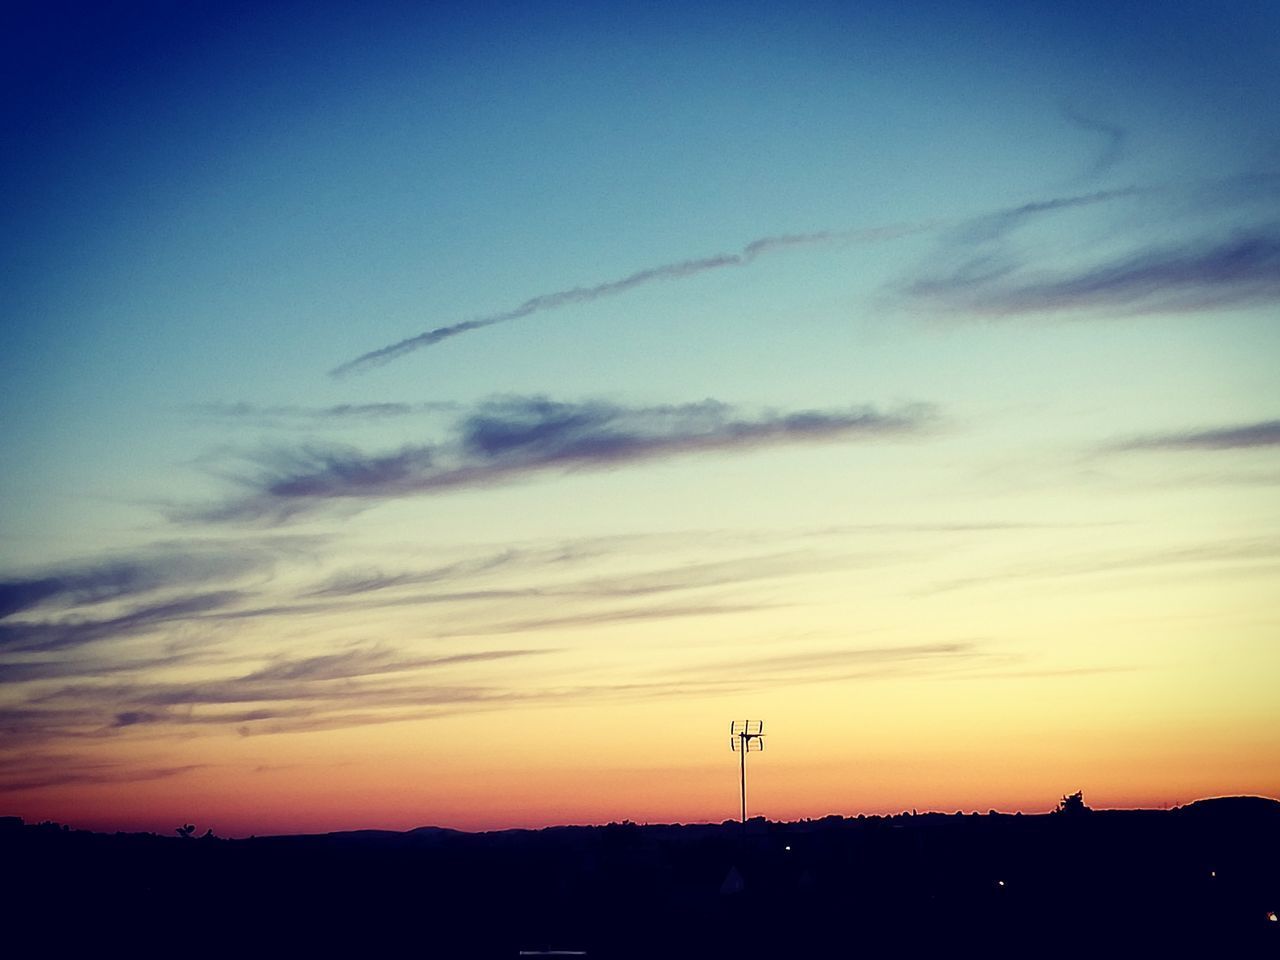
(375, 683)
(336, 414)
(25, 670)
(1242, 269)
(685, 269)
(1243, 436)
(508, 438)
(161, 566)
(1051, 673)
(676, 270)
(994, 225)
(1114, 139)
(183, 630)
(46, 636)
(825, 661)
(369, 661)
(368, 679)
(1259, 550)
(956, 659)
(596, 618)
(35, 771)
(358, 582)
(665, 579)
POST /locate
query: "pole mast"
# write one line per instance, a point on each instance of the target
(745, 736)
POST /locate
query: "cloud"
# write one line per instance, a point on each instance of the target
(363, 594)
(370, 662)
(86, 585)
(685, 576)
(559, 603)
(46, 636)
(699, 576)
(677, 270)
(1245, 436)
(1114, 138)
(292, 414)
(685, 269)
(355, 583)
(846, 665)
(366, 683)
(376, 684)
(958, 659)
(25, 671)
(98, 581)
(1050, 673)
(509, 438)
(826, 660)
(1259, 550)
(572, 602)
(541, 557)
(1242, 269)
(39, 772)
(612, 616)
(366, 675)
(993, 226)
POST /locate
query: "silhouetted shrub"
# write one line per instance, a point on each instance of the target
(1072, 805)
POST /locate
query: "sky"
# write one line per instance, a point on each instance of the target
(457, 414)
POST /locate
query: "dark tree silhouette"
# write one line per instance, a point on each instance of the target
(186, 831)
(1072, 805)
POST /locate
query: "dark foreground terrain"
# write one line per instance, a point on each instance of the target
(1196, 881)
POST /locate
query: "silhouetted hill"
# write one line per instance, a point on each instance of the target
(1192, 881)
(1235, 808)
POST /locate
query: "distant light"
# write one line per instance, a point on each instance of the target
(1000, 883)
(1271, 915)
(787, 847)
(1213, 873)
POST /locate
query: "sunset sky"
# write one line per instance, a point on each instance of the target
(457, 414)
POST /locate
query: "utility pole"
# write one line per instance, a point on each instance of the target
(745, 736)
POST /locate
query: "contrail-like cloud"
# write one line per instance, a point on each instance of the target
(995, 225)
(678, 270)
(996, 220)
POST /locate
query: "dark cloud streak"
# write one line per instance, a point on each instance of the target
(993, 226)
(41, 773)
(678, 270)
(509, 438)
(1245, 436)
(99, 581)
(294, 692)
(684, 269)
(1239, 270)
(290, 414)
(48, 636)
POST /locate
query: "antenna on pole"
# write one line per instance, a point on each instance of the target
(745, 736)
